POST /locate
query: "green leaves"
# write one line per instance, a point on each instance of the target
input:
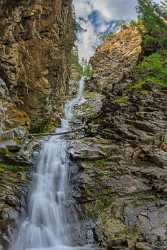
(153, 17)
(153, 69)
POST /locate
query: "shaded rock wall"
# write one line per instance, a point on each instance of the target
(123, 161)
(36, 38)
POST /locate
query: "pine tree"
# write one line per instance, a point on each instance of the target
(153, 17)
(150, 14)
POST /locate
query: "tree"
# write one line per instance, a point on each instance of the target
(151, 16)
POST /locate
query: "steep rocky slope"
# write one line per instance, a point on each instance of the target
(36, 38)
(122, 162)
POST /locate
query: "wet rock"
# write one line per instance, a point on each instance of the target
(90, 107)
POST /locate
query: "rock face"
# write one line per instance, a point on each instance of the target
(123, 160)
(15, 162)
(36, 38)
(115, 59)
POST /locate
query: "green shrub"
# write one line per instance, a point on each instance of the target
(150, 41)
(153, 69)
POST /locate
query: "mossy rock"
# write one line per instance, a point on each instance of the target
(111, 229)
(143, 246)
(121, 100)
(90, 107)
(17, 118)
(12, 168)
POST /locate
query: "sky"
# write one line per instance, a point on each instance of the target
(96, 17)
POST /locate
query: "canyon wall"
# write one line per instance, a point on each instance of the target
(122, 161)
(36, 38)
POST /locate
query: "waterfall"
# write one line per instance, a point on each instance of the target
(46, 226)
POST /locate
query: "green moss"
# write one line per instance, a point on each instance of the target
(45, 126)
(138, 85)
(88, 94)
(95, 208)
(12, 168)
(4, 151)
(111, 228)
(121, 100)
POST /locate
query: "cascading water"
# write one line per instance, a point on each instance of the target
(46, 226)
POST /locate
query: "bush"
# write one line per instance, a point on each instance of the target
(153, 69)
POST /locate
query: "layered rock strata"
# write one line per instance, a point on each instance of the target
(122, 162)
(36, 38)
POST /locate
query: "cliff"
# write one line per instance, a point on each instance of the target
(36, 38)
(122, 161)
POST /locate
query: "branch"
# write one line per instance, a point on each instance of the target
(60, 133)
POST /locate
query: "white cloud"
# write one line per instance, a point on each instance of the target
(108, 10)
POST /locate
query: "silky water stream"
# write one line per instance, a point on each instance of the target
(46, 226)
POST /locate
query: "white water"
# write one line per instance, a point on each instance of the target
(47, 227)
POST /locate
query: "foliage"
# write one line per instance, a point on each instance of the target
(87, 70)
(153, 69)
(150, 40)
(148, 12)
(152, 16)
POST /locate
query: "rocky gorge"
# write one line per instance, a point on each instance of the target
(36, 39)
(122, 159)
(119, 165)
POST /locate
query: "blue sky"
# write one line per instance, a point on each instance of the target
(96, 16)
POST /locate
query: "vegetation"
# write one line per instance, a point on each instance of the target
(153, 16)
(153, 26)
(86, 70)
(153, 68)
(82, 68)
(75, 61)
